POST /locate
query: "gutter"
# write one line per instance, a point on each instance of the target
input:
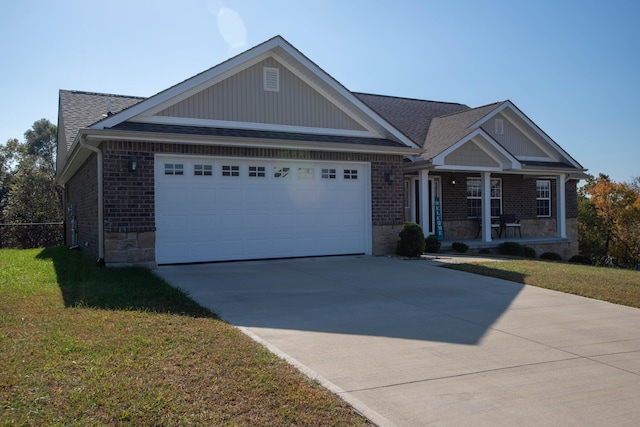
(232, 141)
(83, 144)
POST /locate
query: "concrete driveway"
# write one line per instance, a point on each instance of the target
(410, 343)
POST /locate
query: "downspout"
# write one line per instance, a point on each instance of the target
(83, 144)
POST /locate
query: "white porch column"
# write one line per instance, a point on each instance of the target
(425, 215)
(561, 207)
(486, 206)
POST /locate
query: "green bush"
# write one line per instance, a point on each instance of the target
(551, 256)
(511, 248)
(529, 252)
(581, 259)
(485, 251)
(411, 241)
(460, 247)
(432, 244)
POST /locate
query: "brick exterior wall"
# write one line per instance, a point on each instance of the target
(129, 198)
(82, 190)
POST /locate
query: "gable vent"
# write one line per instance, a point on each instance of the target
(271, 79)
(499, 127)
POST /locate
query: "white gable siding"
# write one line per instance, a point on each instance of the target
(516, 142)
(242, 98)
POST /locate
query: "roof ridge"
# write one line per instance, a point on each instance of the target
(470, 109)
(82, 92)
(407, 98)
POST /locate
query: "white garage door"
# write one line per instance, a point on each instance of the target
(215, 209)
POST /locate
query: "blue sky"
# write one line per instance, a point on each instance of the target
(572, 66)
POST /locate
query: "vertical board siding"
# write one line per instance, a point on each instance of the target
(513, 140)
(470, 155)
(242, 97)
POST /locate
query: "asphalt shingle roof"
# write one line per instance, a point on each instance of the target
(410, 116)
(82, 109)
(447, 130)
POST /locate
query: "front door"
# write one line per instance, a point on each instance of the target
(413, 206)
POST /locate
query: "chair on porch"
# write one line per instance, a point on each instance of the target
(509, 221)
(494, 226)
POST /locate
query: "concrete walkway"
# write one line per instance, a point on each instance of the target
(408, 343)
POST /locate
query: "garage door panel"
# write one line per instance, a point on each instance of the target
(209, 218)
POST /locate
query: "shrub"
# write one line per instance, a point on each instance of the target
(511, 248)
(529, 252)
(460, 247)
(432, 244)
(485, 251)
(411, 241)
(581, 259)
(551, 256)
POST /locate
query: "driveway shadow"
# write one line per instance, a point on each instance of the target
(351, 295)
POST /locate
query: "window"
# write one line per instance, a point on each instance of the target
(229, 170)
(328, 174)
(280, 172)
(499, 124)
(496, 197)
(351, 174)
(173, 169)
(305, 173)
(474, 197)
(257, 172)
(543, 198)
(203, 170)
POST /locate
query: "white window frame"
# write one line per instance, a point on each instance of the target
(305, 173)
(257, 172)
(203, 170)
(328, 173)
(476, 194)
(350, 174)
(174, 168)
(281, 172)
(496, 194)
(541, 197)
(230, 170)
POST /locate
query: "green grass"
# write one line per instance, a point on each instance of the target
(608, 284)
(80, 345)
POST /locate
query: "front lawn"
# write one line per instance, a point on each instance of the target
(80, 345)
(608, 284)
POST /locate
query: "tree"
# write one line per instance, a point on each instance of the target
(41, 141)
(609, 220)
(28, 192)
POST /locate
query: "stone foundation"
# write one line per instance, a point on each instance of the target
(385, 239)
(133, 248)
(542, 229)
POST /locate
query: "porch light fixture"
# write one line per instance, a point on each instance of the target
(133, 164)
(453, 181)
(388, 177)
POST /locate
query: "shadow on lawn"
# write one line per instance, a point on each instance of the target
(84, 284)
(483, 270)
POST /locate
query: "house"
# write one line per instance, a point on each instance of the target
(267, 156)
